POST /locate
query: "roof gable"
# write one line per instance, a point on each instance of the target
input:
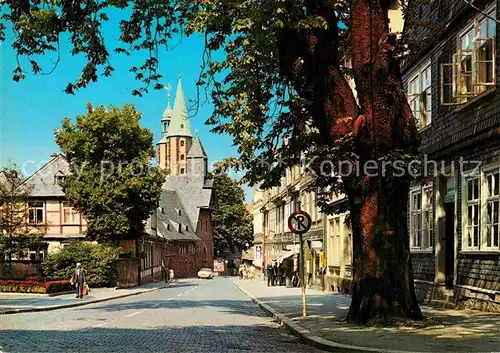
(43, 180)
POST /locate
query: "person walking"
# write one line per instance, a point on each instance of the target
(269, 271)
(275, 274)
(171, 274)
(78, 280)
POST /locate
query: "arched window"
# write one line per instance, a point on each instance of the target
(182, 170)
(182, 143)
(182, 157)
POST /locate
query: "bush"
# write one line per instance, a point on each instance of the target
(35, 286)
(98, 260)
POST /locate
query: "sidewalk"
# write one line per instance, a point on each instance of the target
(447, 331)
(11, 303)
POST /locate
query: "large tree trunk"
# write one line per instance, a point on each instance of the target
(383, 286)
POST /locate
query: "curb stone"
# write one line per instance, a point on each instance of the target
(73, 305)
(307, 336)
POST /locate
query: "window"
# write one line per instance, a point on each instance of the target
(206, 225)
(472, 216)
(472, 69)
(421, 221)
(182, 157)
(36, 212)
(182, 126)
(493, 209)
(70, 215)
(347, 243)
(59, 179)
(182, 143)
(420, 96)
(182, 170)
(336, 242)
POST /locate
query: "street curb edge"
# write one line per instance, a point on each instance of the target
(307, 336)
(73, 305)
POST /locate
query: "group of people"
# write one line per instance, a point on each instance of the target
(246, 272)
(276, 275)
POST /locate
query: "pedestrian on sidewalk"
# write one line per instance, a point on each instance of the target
(171, 274)
(269, 272)
(275, 274)
(78, 280)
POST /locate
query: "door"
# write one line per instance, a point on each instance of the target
(449, 244)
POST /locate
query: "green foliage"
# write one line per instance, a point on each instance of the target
(98, 260)
(112, 183)
(248, 46)
(35, 286)
(17, 233)
(232, 224)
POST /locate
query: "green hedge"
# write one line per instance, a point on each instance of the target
(98, 260)
(35, 286)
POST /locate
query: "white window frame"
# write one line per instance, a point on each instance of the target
(472, 51)
(489, 225)
(33, 209)
(421, 219)
(484, 198)
(468, 227)
(420, 95)
(72, 214)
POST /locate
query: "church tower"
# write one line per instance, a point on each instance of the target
(176, 137)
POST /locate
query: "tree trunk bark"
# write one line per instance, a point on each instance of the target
(383, 286)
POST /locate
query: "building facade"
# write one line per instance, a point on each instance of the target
(273, 241)
(454, 216)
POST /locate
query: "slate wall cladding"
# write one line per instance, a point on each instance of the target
(423, 266)
(470, 131)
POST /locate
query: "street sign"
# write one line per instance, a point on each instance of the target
(299, 222)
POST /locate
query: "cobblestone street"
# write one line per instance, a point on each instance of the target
(194, 316)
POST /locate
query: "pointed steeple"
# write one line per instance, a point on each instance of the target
(197, 159)
(196, 150)
(179, 124)
(166, 117)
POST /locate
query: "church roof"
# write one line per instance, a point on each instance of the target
(196, 150)
(179, 123)
(167, 113)
(193, 192)
(172, 220)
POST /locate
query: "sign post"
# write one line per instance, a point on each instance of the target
(299, 223)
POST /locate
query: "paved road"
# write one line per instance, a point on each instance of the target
(195, 316)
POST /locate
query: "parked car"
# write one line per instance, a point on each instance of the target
(206, 273)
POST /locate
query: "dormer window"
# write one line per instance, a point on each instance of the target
(168, 226)
(187, 228)
(180, 228)
(179, 212)
(59, 179)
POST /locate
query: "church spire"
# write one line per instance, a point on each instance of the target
(167, 115)
(179, 124)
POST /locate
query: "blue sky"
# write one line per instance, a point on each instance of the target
(30, 110)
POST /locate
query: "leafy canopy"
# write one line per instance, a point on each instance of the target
(232, 224)
(243, 65)
(112, 182)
